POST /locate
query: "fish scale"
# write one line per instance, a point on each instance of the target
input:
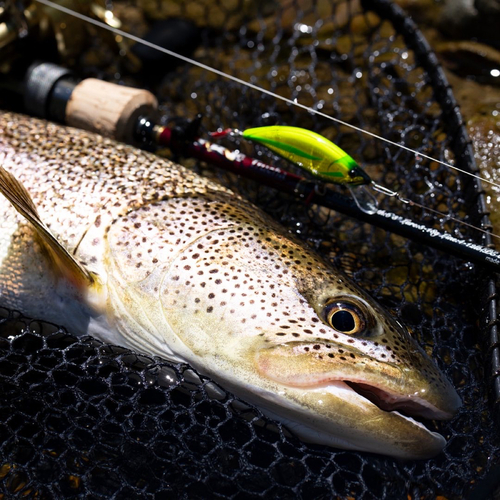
(172, 264)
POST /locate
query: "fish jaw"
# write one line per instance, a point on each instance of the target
(337, 416)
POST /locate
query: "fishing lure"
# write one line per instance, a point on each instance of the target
(312, 152)
(315, 154)
(308, 150)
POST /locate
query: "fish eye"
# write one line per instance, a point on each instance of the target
(345, 317)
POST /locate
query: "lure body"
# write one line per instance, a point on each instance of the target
(311, 151)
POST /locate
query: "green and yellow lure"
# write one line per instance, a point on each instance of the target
(312, 152)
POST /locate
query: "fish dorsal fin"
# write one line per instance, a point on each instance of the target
(21, 200)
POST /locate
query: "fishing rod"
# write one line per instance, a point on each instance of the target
(311, 192)
(125, 114)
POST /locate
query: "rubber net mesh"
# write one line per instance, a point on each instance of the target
(79, 418)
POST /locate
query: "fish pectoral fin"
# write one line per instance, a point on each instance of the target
(21, 200)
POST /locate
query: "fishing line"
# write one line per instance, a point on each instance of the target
(262, 90)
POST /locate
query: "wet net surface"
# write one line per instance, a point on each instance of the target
(83, 419)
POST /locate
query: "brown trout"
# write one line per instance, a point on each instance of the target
(114, 242)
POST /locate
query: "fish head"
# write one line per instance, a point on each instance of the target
(362, 370)
(227, 290)
(361, 344)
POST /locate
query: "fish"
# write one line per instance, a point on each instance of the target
(118, 243)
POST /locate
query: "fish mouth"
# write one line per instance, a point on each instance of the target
(389, 401)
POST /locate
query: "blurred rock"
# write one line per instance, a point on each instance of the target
(472, 19)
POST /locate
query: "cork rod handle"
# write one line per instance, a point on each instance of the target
(108, 109)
